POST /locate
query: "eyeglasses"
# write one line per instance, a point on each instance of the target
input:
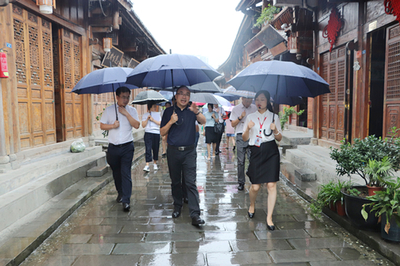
(124, 97)
(184, 94)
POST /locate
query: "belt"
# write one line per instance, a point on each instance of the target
(181, 148)
(239, 133)
(121, 145)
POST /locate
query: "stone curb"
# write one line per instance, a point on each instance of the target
(371, 238)
(42, 237)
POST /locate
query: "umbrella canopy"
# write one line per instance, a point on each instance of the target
(103, 81)
(280, 78)
(232, 91)
(170, 71)
(205, 87)
(229, 97)
(145, 97)
(209, 98)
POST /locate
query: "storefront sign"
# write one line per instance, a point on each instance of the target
(112, 58)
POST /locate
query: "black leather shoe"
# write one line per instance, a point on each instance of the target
(241, 187)
(271, 227)
(186, 200)
(126, 207)
(196, 221)
(119, 199)
(176, 213)
(251, 215)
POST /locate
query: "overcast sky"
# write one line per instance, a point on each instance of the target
(206, 28)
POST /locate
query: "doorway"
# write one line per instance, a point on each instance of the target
(377, 81)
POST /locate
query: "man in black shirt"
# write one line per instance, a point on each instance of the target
(178, 122)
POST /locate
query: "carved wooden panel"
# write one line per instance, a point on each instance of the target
(71, 72)
(333, 110)
(34, 75)
(392, 81)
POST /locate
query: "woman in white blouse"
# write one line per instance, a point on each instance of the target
(262, 129)
(151, 122)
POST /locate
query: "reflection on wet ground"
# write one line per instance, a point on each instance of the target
(100, 233)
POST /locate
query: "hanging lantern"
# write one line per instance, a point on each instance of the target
(46, 6)
(107, 44)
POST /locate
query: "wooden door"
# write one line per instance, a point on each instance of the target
(35, 80)
(391, 99)
(69, 105)
(333, 105)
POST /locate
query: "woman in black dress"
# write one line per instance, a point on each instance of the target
(262, 129)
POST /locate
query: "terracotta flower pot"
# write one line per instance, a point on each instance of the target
(340, 208)
(371, 190)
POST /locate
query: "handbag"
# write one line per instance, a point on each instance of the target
(218, 128)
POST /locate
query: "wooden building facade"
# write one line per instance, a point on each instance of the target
(48, 54)
(360, 62)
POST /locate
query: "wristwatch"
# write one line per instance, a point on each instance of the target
(198, 113)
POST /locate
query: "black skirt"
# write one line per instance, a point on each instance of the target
(211, 136)
(264, 164)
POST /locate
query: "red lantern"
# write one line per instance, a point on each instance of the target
(3, 65)
(331, 31)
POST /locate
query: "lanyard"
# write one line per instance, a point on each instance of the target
(261, 125)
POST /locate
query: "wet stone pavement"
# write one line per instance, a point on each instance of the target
(100, 233)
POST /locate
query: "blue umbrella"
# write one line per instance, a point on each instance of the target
(103, 81)
(280, 78)
(170, 71)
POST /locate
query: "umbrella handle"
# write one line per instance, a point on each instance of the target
(115, 102)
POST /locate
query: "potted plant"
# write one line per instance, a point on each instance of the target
(386, 204)
(267, 15)
(353, 158)
(286, 114)
(330, 195)
(377, 171)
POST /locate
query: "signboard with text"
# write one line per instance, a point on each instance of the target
(112, 58)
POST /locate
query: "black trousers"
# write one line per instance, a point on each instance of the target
(219, 138)
(152, 143)
(120, 160)
(182, 164)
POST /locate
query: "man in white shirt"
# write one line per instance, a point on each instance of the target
(238, 117)
(118, 120)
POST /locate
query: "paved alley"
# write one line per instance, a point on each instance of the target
(100, 233)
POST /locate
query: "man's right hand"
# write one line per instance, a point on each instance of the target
(116, 124)
(243, 115)
(174, 118)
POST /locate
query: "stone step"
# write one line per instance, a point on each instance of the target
(23, 236)
(305, 175)
(39, 167)
(22, 200)
(295, 138)
(319, 152)
(97, 171)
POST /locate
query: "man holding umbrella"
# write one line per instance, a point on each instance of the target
(178, 122)
(119, 123)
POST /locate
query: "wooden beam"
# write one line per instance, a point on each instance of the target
(32, 7)
(130, 49)
(101, 21)
(101, 29)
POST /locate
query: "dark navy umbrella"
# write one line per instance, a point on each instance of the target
(280, 78)
(170, 71)
(103, 81)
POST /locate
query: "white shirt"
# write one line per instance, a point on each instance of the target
(123, 133)
(152, 127)
(237, 111)
(264, 121)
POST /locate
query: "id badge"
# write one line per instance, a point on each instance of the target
(258, 141)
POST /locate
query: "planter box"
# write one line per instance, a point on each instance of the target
(353, 206)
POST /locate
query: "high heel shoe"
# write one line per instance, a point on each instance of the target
(271, 227)
(251, 215)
